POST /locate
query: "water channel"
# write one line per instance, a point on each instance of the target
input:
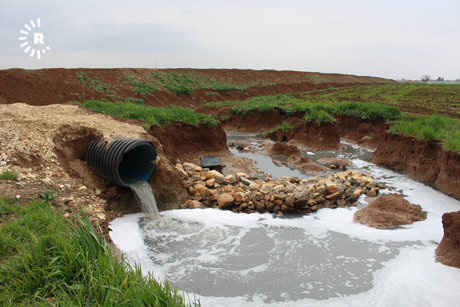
(322, 259)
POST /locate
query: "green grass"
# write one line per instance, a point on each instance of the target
(321, 113)
(152, 115)
(410, 97)
(285, 126)
(48, 258)
(432, 127)
(8, 175)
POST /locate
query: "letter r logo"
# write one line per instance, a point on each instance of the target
(38, 38)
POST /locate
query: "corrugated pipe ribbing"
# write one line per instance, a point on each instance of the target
(123, 161)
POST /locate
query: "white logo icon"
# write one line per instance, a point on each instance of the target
(38, 39)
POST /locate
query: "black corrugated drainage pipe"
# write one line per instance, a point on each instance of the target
(123, 162)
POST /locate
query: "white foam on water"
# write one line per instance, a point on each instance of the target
(213, 244)
(217, 218)
(413, 278)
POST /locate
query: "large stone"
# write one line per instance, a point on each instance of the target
(201, 189)
(389, 211)
(289, 200)
(239, 175)
(239, 197)
(225, 201)
(189, 168)
(301, 202)
(448, 251)
(331, 187)
(210, 182)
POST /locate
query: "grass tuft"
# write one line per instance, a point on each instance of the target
(152, 115)
(8, 175)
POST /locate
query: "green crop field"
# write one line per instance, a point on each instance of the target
(412, 98)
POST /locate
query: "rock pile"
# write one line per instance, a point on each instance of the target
(242, 194)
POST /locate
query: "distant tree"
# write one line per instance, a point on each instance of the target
(439, 79)
(442, 79)
(425, 78)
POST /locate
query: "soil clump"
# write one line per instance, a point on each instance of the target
(389, 212)
(448, 251)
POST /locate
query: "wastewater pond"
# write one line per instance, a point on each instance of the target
(322, 259)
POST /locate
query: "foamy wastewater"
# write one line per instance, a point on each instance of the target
(323, 259)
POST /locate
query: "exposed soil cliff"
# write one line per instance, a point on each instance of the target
(420, 159)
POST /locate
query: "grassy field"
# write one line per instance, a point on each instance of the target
(414, 98)
(50, 260)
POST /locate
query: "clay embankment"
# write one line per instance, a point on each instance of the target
(58, 85)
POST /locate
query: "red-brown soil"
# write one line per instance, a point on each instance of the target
(423, 160)
(448, 251)
(187, 143)
(388, 212)
(58, 85)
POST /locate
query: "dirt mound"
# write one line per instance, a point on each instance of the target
(388, 212)
(279, 149)
(448, 251)
(58, 85)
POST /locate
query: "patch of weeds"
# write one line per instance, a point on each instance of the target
(48, 195)
(285, 126)
(8, 175)
(319, 116)
(140, 88)
(224, 118)
(212, 94)
(152, 115)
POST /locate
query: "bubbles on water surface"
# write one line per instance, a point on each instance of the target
(323, 259)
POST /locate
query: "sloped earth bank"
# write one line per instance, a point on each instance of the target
(58, 85)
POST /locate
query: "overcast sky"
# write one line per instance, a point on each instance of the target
(391, 38)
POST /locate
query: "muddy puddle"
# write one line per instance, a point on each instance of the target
(322, 259)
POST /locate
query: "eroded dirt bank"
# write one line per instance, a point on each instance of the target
(58, 85)
(420, 159)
